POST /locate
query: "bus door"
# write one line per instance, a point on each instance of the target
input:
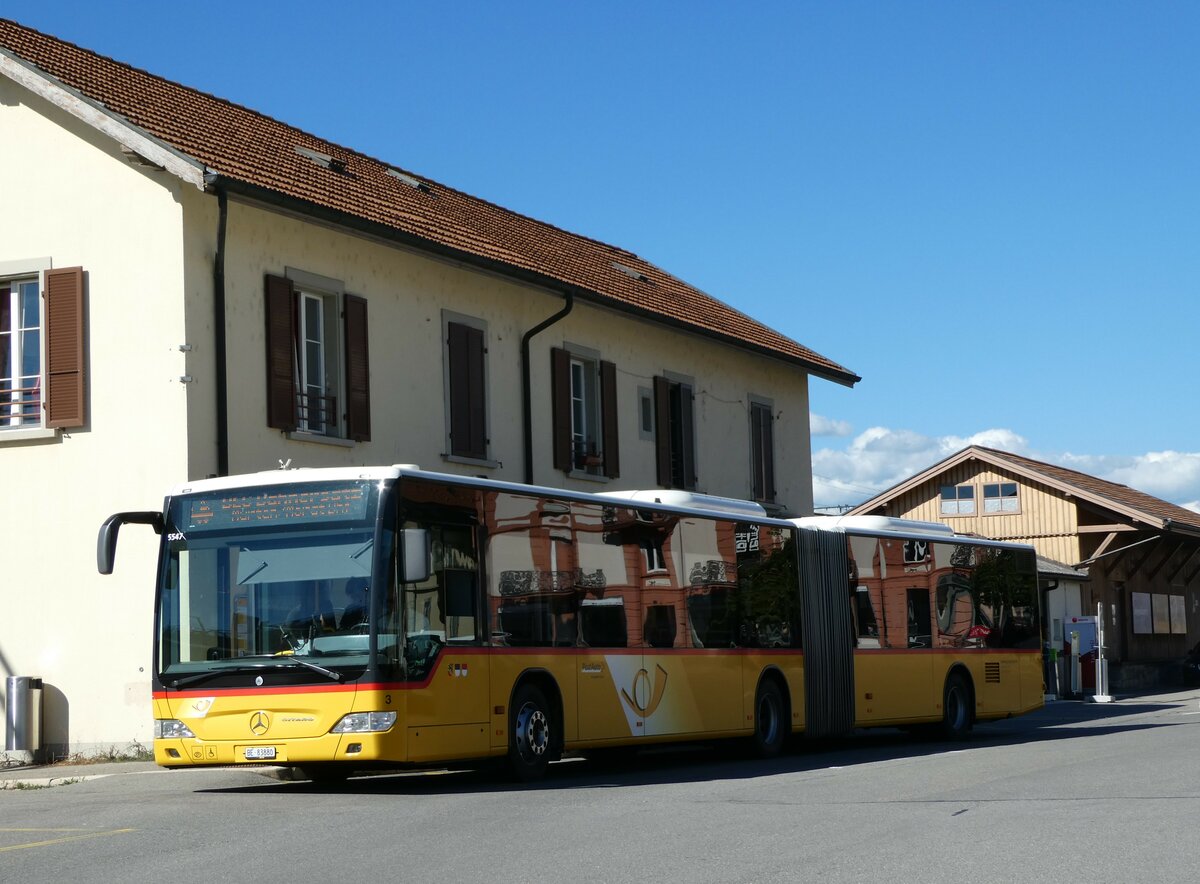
(893, 681)
(617, 548)
(692, 681)
(447, 671)
(608, 669)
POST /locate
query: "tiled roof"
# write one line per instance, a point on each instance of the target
(246, 147)
(1051, 568)
(1124, 497)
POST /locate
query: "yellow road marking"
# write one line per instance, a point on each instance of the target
(83, 835)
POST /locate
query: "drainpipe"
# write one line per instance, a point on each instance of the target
(219, 328)
(526, 395)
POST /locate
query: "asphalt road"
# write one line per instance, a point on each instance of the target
(1076, 792)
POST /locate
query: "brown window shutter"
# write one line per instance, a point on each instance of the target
(66, 375)
(358, 369)
(560, 392)
(763, 452)
(768, 448)
(687, 434)
(608, 419)
(468, 394)
(281, 353)
(662, 430)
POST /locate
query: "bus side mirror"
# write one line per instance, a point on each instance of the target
(106, 540)
(415, 553)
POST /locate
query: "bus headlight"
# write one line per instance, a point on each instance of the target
(364, 723)
(171, 729)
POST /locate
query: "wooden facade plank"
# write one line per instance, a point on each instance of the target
(1187, 561)
(1153, 572)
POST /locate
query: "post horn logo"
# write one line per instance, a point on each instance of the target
(643, 690)
(259, 723)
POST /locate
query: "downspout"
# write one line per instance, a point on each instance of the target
(219, 329)
(526, 395)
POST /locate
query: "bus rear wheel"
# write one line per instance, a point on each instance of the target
(531, 734)
(770, 728)
(957, 712)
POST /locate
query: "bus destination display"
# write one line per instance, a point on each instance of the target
(340, 503)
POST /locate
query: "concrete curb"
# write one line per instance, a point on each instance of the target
(46, 782)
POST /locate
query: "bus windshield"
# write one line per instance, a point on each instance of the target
(276, 577)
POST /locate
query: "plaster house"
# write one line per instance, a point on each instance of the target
(1102, 547)
(190, 288)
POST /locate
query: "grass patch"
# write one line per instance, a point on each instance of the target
(135, 751)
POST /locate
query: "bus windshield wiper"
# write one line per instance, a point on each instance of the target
(300, 661)
(276, 663)
(185, 680)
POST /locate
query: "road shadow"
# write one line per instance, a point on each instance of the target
(728, 760)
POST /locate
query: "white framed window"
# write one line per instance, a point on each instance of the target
(21, 361)
(318, 367)
(319, 388)
(653, 556)
(585, 415)
(1001, 497)
(584, 403)
(43, 377)
(958, 500)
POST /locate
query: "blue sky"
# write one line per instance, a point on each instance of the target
(990, 211)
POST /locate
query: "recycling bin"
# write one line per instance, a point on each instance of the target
(23, 714)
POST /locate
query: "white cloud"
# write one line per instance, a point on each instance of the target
(881, 457)
(819, 425)
(1171, 475)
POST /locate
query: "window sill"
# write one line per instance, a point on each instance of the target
(472, 461)
(588, 477)
(301, 436)
(27, 435)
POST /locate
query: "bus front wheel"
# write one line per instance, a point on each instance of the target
(531, 734)
(325, 775)
(957, 717)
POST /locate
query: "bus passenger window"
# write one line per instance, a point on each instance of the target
(920, 632)
(527, 624)
(602, 623)
(442, 608)
(659, 629)
(864, 615)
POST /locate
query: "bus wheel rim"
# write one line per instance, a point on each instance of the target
(533, 732)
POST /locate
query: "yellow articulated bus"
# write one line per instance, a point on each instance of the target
(343, 619)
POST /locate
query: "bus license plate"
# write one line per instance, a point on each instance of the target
(259, 753)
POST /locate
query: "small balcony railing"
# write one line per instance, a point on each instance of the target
(20, 406)
(585, 456)
(317, 414)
